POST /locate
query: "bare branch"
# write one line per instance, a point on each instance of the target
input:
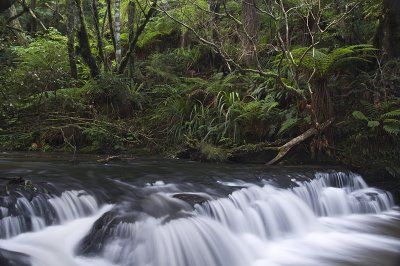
(284, 149)
(33, 15)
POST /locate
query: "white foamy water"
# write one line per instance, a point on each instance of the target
(55, 245)
(334, 219)
(30, 215)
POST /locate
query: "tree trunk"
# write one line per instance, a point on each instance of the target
(5, 4)
(32, 25)
(110, 22)
(392, 28)
(15, 25)
(98, 34)
(309, 30)
(379, 35)
(133, 42)
(215, 8)
(321, 101)
(84, 43)
(71, 38)
(251, 27)
(322, 106)
(131, 25)
(117, 16)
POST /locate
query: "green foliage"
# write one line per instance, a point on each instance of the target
(169, 65)
(180, 87)
(156, 29)
(372, 8)
(209, 152)
(372, 138)
(380, 118)
(196, 110)
(287, 125)
(102, 137)
(322, 62)
(114, 95)
(42, 66)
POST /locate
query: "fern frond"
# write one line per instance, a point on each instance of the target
(287, 125)
(391, 114)
(373, 123)
(359, 115)
(371, 109)
(323, 61)
(392, 129)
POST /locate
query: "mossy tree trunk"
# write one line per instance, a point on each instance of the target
(110, 22)
(11, 14)
(117, 19)
(71, 38)
(100, 46)
(323, 110)
(321, 101)
(138, 32)
(84, 43)
(251, 27)
(392, 28)
(131, 24)
(32, 25)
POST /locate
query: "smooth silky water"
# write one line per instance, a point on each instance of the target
(152, 212)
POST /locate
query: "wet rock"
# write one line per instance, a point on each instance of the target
(10, 258)
(102, 230)
(192, 199)
(92, 243)
(21, 185)
(161, 204)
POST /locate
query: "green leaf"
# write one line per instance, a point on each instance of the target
(287, 125)
(359, 115)
(373, 124)
(392, 129)
(391, 114)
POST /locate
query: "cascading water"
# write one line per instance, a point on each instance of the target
(333, 219)
(20, 214)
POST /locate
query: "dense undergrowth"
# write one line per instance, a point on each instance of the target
(181, 97)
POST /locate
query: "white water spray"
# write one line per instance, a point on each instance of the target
(334, 219)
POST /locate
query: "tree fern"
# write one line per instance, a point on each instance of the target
(379, 117)
(392, 114)
(360, 116)
(323, 61)
(287, 125)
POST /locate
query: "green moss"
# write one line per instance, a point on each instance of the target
(209, 152)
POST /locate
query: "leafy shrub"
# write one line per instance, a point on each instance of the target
(226, 117)
(373, 141)
(114, 95)
(172, 64)
(42, 66)
(384, 118)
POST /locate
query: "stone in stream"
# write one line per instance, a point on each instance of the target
(92, 243)
(10, 258)
(190, 198)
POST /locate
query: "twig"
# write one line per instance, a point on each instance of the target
(33, 15)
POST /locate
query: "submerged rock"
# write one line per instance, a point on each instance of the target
(10, 258)
(191, 198)
(102, 230)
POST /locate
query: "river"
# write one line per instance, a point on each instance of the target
(158, 212)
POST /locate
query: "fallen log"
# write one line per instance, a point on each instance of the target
(109, 159)
(284, 149)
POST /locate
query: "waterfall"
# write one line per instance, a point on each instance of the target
(334, 219)
(21, 214)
